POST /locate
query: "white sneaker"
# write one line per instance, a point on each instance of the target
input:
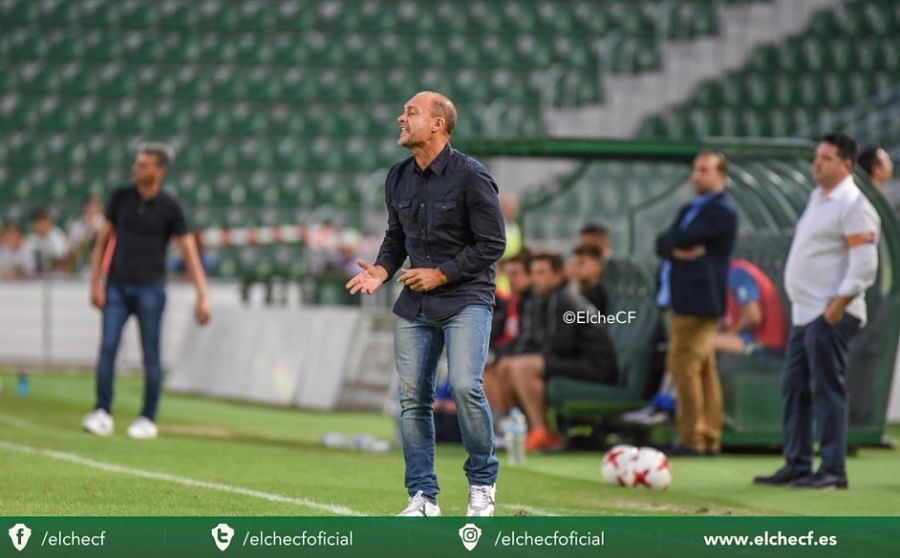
(143, 429)
(646, 416)
(98, 422)
(420, 506)
(481, 500)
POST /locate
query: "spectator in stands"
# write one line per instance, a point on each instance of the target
(832, 261)
(588, 269)
(549, 346)
(343, 262)
(754, 316)
(693, 281)
(323, 237)
(83, 232)
(144, 218)
(47, 240)
(17, 259)
(596, 234)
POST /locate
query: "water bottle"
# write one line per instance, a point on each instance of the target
(366, 442)
(23, 384)
(516, 428)
(336, 440)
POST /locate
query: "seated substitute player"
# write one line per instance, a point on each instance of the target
(550, 346)
(754, 317)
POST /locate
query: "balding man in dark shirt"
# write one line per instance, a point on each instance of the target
(444, 215)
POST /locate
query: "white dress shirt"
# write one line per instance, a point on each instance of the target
(834, 252)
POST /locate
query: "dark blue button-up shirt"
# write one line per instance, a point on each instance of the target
(446, 216)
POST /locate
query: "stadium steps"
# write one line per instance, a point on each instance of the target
(845, 59)
(631, 97)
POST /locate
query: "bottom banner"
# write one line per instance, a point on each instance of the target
(375, 537)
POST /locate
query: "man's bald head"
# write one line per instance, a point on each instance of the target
(426, 117)
(441, 107)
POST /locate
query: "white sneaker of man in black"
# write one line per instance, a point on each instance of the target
(98, 422)
(481, 500)
(420, 506)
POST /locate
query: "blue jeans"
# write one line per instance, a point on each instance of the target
(418, 346)
(147, 303)
(813, 390)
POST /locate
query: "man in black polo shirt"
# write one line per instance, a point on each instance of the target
(444, 214)
(589, 274)
(142, 218)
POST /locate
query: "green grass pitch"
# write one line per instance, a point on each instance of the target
(224, 458)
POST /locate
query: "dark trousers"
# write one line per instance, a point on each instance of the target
(814, 391)
(147, 303)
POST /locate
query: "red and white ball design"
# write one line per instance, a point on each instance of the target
(650, 469)
(617, 463)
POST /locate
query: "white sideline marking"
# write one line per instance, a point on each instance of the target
(74, 458)
(20, 423)
(185, 481)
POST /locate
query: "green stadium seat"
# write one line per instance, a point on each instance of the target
(787, 92)
(20, 116)
(97, 117)
(865, 55)
(143, 15)
(764, 59)
(855, 21)
(178, 16)
(22, 13)
(791, 58)
(56, 116)
(824, 24)
(704, 21)
(654, 127)
(103, 47)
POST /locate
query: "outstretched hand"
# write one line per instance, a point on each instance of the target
(368, 280)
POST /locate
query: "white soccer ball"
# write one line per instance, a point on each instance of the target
(617, 463)
(650, 469)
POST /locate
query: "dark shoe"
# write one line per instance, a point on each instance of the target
(679, 450)
(822, 480)
(712, 453)
(782, 477)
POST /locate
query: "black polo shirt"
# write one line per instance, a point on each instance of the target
(597, 296)
(143, 229)
(446, 216)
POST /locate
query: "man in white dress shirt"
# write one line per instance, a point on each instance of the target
(832, 261)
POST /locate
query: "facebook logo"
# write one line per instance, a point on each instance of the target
(19, 534)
